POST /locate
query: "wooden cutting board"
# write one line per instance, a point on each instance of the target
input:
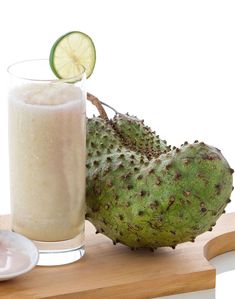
(108, 271)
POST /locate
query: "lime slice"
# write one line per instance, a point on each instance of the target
(71, 53)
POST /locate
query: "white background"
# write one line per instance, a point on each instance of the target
(169, 62)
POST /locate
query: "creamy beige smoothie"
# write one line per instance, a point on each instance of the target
(47, 132)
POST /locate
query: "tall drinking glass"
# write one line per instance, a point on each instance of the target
(47, 150)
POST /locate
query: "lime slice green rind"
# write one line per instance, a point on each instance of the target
(71, 53)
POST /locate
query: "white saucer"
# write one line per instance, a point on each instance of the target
(18, 255)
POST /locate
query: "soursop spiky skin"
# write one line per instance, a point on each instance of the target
(163, 201)
(138, 137)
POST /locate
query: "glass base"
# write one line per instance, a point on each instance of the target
(60, 253)
(55, 258)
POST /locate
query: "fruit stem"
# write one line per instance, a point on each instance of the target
(96, 102)
(110, 107)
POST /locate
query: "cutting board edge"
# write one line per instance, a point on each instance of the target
(198, 281)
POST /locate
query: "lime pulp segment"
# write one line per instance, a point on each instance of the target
(71, 53)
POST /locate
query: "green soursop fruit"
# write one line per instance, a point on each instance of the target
(156, 200)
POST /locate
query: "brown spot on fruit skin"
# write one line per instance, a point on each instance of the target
(109, 183)
(96, 163)
(120, 166)
(218, 189)
(158, 181)
(108, 159)
(203, 208)
(95, 176)
(142, 193)
(168, 166)
(97, 191)
(177, 175)
(106, 170)
(126, 176)
(170, 202)
(208, 157)
(154, 205)
(186, 193)
(120, 217)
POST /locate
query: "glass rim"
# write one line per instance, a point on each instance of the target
(53, 80)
